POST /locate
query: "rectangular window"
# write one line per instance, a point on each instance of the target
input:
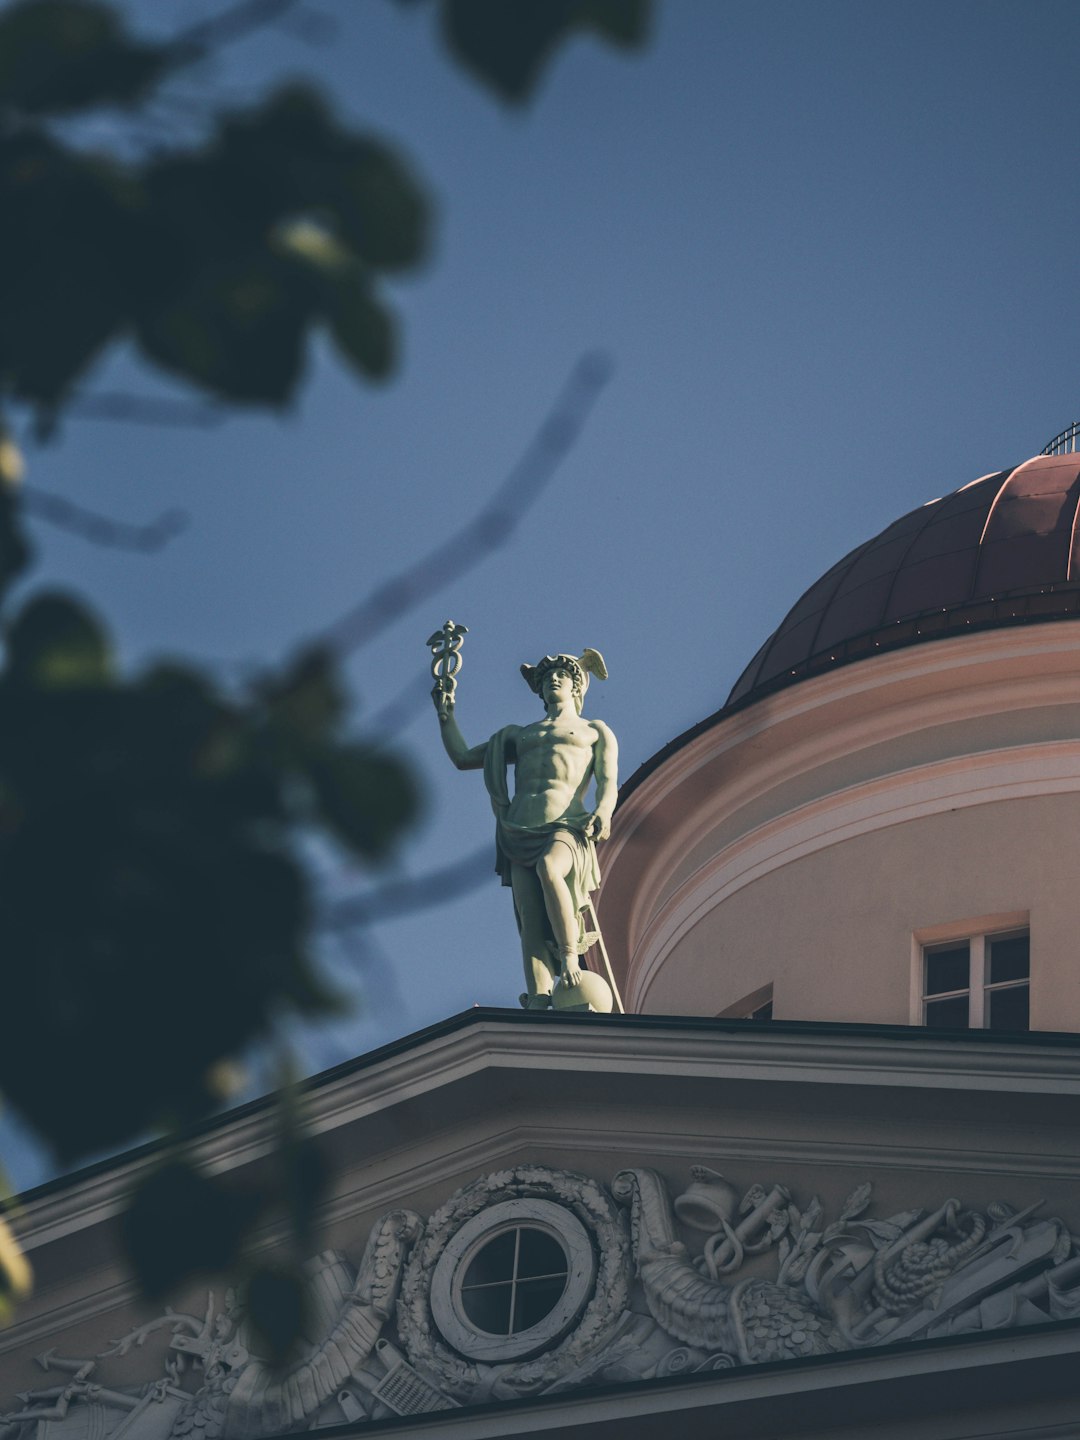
(979, 982)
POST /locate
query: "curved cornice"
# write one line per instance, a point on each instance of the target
(757, 752)
(1052, 768)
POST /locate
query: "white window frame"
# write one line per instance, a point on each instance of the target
(976, 931)
(449, 1312)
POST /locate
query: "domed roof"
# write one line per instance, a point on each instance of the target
(1002, 550)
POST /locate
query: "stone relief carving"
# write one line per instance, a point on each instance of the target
(605, 1224)
(533, 1281)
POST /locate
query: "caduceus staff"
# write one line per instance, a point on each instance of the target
(446, 661)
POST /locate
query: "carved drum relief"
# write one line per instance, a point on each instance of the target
(533, 1280)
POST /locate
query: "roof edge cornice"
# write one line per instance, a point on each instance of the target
(486, 1040)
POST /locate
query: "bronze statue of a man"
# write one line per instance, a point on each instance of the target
(545, 837)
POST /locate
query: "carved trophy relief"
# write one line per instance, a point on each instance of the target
(533, 1281)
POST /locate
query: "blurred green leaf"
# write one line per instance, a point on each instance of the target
(149, 881)
(54, 641)
(207, 255)
(16, 1274)
(277, 1308)
(508, 45)
(308, 699)
(12, 464)
(238, 331)
(181, 1221)
(57, 56)
(362, 328)
(304, 1177)
(361, 796)
(66, 266)
(14, 550)
(623, 22)
(342, 290)
(221, 258)
(292, 148)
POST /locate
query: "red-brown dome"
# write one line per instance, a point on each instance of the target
(1002, 550)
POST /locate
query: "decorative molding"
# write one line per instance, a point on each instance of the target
(821, 720)
(703, 1055)
(485, 1044)
(601, 1311)
(1051, 768)
(1022, 654)
(753, 1277)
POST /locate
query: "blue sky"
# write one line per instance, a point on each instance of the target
(831, 248)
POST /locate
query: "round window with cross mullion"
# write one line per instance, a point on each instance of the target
(513, 1279)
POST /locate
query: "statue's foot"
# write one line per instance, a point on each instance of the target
(535, 1002)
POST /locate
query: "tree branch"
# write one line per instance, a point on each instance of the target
(234, 23)
(101, 529)
(144, 409)
(492, 526)
(406, 897)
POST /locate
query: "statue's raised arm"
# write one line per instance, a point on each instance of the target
(445, 645)
(464, 756)
(545, 833)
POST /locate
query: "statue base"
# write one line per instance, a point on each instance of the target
(592, 992)
(591, 995)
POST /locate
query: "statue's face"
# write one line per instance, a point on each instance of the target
(558, 684)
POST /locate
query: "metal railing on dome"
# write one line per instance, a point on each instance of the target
(1065, 443)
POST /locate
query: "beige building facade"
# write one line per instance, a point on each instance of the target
(897, 773)
(926, 795)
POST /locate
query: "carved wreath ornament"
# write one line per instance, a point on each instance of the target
(599, 1280)
(532, 1280)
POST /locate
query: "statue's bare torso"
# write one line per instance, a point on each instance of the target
(553, 769)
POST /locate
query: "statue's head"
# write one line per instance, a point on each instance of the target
(578, 668)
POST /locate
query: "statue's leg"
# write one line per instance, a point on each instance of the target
(553, 868)
(540, 976)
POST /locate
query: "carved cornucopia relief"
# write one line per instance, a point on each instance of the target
(533, 1280)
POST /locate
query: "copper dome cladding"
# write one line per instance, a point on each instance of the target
(999, 551)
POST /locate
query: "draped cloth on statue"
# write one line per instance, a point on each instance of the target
(526, 844)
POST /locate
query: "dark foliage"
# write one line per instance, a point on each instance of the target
(149, 885)
(218, 259)
(153, 903)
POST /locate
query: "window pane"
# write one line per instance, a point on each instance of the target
(947, 968)
(1010, 958)
(536, 1299)
(951, 1014)
(489, 1308)
(494, 1262)
(1007, 1009)
(540, 1254)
